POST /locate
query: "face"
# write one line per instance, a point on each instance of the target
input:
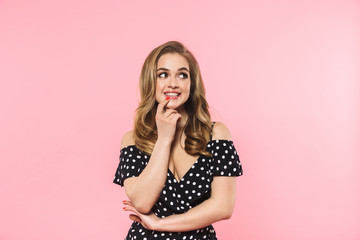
(173, 80)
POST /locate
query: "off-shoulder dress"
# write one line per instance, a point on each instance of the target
(179, 196)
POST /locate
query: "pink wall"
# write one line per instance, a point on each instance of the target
(283, 76)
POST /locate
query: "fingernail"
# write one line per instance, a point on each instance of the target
(124, 208)
(124, 200)
(167, 98)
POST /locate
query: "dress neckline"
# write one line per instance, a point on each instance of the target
(191, 167)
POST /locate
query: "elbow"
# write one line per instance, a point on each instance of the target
(140, 203)
(226, 214)
(143, 207)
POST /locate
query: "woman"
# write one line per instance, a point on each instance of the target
(178, 168)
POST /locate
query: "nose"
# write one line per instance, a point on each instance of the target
(173, 82)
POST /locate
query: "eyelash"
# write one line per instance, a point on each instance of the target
(185, 75)
(163, 73)
(166, 75)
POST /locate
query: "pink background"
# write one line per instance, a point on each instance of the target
(282, 75)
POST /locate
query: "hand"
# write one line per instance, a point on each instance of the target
(149, 221)
(166, 120)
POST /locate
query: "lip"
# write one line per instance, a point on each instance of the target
(172, 96)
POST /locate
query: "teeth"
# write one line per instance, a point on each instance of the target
(172, 94)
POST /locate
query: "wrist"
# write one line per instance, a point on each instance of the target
(160, 225)
(164, 142)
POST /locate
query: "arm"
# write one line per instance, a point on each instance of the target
(218, 207)
(144, 190)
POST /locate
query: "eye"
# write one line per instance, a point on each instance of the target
(163, 75)
(183, 75)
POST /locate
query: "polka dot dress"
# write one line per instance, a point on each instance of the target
(179, 196)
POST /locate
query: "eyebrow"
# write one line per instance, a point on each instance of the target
(165, 69)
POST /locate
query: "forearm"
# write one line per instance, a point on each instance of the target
(146, 188)
(202, 215)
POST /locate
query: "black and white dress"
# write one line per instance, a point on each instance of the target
(179, 196)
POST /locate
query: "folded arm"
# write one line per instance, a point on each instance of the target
(144, 190)
(218, 207)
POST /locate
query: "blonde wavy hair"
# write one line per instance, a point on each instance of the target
(198, 126)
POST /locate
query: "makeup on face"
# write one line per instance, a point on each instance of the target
(173, 80)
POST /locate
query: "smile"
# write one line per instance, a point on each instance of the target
(172, 94)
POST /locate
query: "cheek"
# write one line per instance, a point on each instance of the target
(159, 90)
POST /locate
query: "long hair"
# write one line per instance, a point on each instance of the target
(198, 126)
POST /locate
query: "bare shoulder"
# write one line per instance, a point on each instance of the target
(220, 131)
(128, 139)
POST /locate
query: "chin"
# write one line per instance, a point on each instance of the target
(173, 106)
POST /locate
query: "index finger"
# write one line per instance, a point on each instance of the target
(161, 106)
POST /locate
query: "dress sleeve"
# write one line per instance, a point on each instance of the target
(131, 163)
(225, 160)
